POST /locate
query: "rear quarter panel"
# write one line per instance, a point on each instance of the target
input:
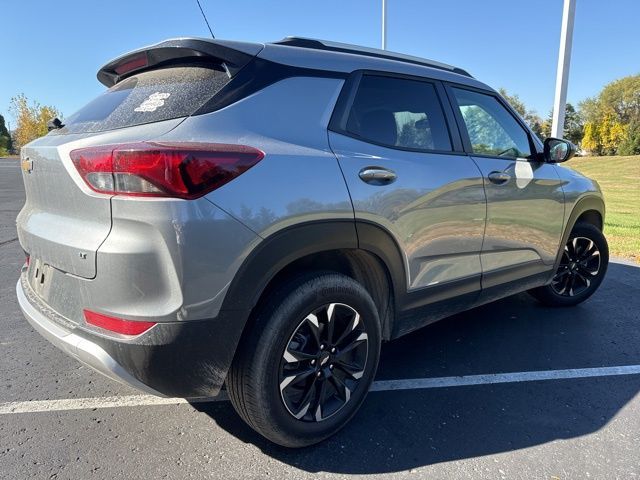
(299, 179)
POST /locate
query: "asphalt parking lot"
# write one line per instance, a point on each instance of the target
(509, 390)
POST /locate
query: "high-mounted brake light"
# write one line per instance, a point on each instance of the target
(182, 170)
(134, 63)
(117, 325)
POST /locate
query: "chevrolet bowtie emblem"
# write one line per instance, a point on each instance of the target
(26, 165)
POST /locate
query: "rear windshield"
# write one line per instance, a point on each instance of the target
(148, 97)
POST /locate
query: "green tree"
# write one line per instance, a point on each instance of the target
(573, 125)
(6, 146)
(530, 116)
(590, 110)
(614, 116)
(622, 97)
(631, 144)
(31, 119)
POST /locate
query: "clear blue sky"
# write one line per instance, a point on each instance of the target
(52, 50)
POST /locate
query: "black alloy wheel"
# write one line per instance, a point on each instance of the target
(581, 268)
(305, 364)
(579, 265)
(323, 362)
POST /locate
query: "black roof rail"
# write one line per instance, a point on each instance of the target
(316, 44)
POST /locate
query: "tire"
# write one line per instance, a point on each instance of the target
(296, 318)
(584, 262)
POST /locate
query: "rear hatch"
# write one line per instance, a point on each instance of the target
(64, 222)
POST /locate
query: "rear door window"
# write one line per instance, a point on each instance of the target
(148, 97)
(400, 113)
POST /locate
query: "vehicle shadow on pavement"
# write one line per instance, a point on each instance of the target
(401, 430)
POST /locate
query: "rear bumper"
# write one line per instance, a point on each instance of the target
(180, 359)
(78, 347)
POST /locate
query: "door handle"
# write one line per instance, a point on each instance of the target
(377, 176)
(499, 177)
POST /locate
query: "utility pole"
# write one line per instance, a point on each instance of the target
(562, 74)
(384, 24)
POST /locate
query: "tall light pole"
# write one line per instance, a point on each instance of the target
(562, 74)
(384, 24)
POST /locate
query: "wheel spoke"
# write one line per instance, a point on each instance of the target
(580, 247)
(570, 283)
(564, 284)
(329, 327)
(312, 320)
(296, 378)
(354, 371)
(362, 338)
(341, 388)
(585, 270)
(320, 400)
(561, 274)
(348, 329)
(292, 356)
(588, 250)
(305, 402)
(585, 280)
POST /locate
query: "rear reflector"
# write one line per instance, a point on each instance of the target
(181, 170)
(117, 325)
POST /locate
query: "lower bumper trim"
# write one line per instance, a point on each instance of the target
(78, 347)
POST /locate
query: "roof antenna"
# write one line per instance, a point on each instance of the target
(205, 19)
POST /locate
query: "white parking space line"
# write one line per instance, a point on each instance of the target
(515, 377)
(36, 406)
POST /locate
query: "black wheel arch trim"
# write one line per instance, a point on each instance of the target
(278, 251)
(281, 249)
(290, 244)
(582, 206)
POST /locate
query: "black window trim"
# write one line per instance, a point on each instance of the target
(347, 96)
(462, 127)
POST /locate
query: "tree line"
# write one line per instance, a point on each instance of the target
(607, 124)
(31, 123)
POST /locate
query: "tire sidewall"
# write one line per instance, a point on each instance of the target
(281, 323)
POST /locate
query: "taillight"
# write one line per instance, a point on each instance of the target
(182, 170)
(117, 325)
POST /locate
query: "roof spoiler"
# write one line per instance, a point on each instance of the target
(234, 55)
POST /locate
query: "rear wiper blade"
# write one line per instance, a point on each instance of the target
(54, 124)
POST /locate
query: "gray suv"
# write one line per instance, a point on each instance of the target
(263, 216)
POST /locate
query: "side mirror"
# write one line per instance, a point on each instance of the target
(557, 150)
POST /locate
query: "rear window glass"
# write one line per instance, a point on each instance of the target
(398, 112)
(148, 97)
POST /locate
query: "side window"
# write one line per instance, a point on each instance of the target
(398, 113)
(492, 129)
